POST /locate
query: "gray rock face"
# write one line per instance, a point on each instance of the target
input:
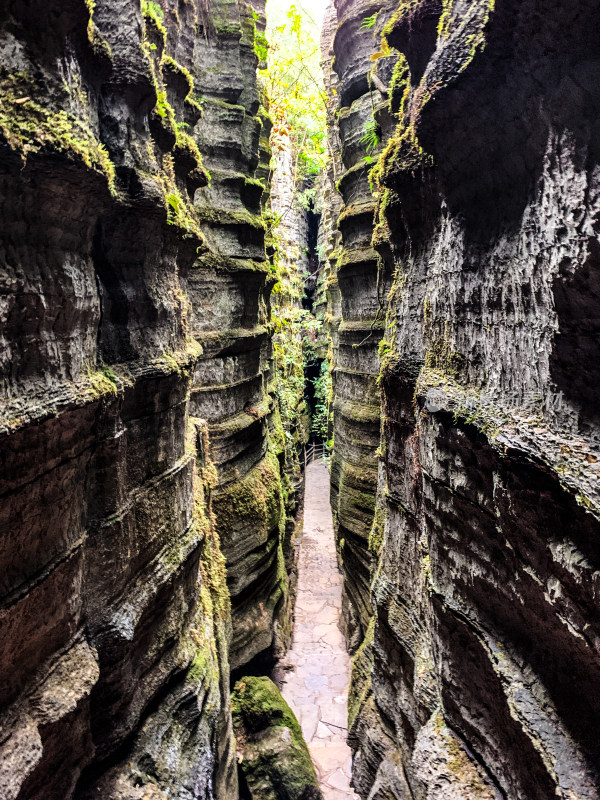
(229, 288)
(136, 427)
(480, 676)
(356, 294)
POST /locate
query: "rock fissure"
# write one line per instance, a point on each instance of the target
(234, 239)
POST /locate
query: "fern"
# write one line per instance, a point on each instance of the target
(368, 22)
(372, 135)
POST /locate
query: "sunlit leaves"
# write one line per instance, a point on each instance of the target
(294, 88)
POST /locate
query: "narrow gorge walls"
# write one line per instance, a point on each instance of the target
(479, 672)
(159, 191)
(145, 474)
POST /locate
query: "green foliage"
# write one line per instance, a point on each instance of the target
(293, 85)
(306, 197)
(261, 47)
(162, 106)
(174, 202)
(368, 22)
(371, 136)
(292, 329)
(323, 390)
(153, 10)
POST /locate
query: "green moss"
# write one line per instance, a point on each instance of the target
(222, 216)
(254, 499)
(103, 381)
(355, 210)
(360, 676)
(256, 704)
(226, 29)
(169, 64)
(255, 182)
(464, 402)
(476, 41)
(186, 148)
(278, 766)
(406, 9)
(403, 153)
(221, 263)
(30, 127)
(377, 531)
(445, 19)
(154, 17)
(439, 355)
(100, 46)
(213, 612)
(399, 86)
(585, 502)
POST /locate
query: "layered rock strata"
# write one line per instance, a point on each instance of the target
(229, 288)
(327, 308)
(288, 221)
(480, 673)
(134, 355)
(358, 288)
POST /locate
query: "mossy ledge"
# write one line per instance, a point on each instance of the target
(272, 753)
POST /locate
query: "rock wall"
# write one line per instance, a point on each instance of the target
(232, 284)
(480, 673)
(328, 204)
(288, 222)
(357, 290)
(136, 424)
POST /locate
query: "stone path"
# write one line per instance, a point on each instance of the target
(316, 669)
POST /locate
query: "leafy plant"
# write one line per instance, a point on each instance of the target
(368, 22)
(293, 85)
(372, 135)
(153, 10)
(323, 388)
(173, 202)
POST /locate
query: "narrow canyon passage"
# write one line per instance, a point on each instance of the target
(234, 229)
(317, 667)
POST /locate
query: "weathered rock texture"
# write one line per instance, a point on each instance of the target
(288, 229)
(232, 285)
(272, 753)
(480, 673)
(357, 293)
(135, 354)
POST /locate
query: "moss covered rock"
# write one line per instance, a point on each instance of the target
(272, 753)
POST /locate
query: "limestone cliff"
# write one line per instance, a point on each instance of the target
(136, 423)
(357, 290)
(232, 284)
(480, 672)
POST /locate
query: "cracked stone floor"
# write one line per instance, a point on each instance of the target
(316, 670)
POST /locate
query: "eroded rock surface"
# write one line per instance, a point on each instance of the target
(272, 753)
(479, 675)
(136, 423)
